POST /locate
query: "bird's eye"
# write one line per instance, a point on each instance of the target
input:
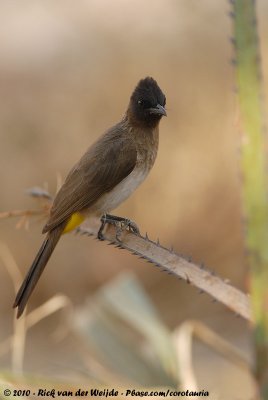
(144, 103)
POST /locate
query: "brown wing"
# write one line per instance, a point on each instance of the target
(102, 167)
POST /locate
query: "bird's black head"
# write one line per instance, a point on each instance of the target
(147, 103)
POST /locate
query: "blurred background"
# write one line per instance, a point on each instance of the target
(67, 71)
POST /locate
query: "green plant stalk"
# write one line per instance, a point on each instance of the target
(254, 169)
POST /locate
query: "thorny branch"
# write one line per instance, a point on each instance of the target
(156, 254)
(173, 263)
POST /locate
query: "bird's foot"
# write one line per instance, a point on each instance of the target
(120, 224)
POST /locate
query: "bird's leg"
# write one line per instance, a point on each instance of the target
(124, 222)
(103, 223)
(120, 223)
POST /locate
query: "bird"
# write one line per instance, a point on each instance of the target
(105, 176)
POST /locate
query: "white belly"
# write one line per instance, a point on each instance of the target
(122, 191)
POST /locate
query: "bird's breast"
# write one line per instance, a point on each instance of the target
(147, 145)
(122, 191)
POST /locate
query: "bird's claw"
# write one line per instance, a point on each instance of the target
(131, 226)
(120, 224)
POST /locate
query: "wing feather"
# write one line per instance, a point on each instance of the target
(101, 168)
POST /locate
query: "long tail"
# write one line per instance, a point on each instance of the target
(37, 268)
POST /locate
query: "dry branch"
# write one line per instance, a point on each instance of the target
(160, 256)
(196, 275)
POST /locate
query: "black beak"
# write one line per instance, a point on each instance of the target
(159, 110)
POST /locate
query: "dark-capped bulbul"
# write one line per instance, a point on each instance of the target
(106, 175)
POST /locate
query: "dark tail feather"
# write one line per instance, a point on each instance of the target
(36, 269)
